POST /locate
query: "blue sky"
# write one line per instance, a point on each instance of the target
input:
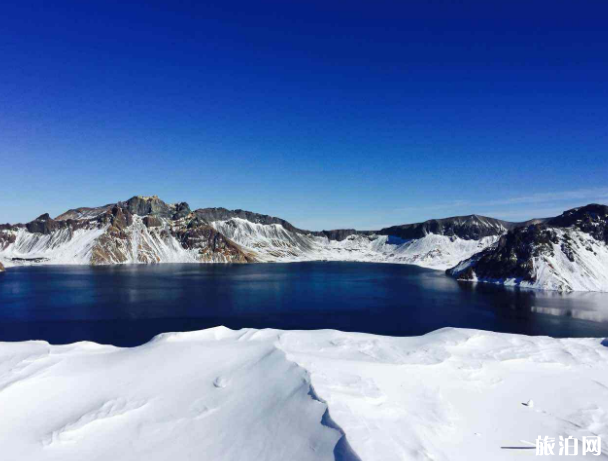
(327, 114)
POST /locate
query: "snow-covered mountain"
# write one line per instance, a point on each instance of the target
(565, 253)
(147, 230)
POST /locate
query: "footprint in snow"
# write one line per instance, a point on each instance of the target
(221, 382)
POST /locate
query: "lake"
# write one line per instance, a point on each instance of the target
(128, 305)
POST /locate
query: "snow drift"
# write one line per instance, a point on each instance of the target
(265, 395)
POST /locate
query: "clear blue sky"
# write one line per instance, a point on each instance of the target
(328, 114)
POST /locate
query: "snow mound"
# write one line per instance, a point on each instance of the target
(261, 395)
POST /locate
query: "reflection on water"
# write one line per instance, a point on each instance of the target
(593, 316)
(127, 305)
(590, 306)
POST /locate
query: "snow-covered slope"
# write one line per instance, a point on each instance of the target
(274, 243)
(566, 253)
(147, 230)
(64, 246)
(264, 395)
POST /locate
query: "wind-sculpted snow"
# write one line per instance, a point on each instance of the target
(261, 395)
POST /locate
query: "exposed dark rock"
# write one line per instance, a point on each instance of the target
(30, 260)
(471, 227)
(340, 234)
(7, 237)
(209, 242)
(591, 219)
(181, 211)
(222, 214)
(512, 257)
(43, 224)
(84, 213)
(1, 267)
(152, 221)
(122, 218)
(143, 206)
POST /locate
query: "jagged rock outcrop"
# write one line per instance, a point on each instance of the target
(471, 227)
(1, 268)
(43, 225)
(568, 252)
(209, 243)
(144, 206)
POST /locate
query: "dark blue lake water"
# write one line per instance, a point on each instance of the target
(128, 305)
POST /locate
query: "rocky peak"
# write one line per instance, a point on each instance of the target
(591, 219)
(121, 218)
(144, 206)
(181, 210)
(43, 224)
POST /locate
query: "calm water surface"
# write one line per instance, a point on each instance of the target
(128, 305)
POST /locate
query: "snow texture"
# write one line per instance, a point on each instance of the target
(265, 395)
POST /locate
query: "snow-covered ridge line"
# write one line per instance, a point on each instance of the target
(262, 395)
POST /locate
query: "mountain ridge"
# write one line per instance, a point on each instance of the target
(146, 205)
(147, 230)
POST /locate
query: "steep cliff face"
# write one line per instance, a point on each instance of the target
(565, 253)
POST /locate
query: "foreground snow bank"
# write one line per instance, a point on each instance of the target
(256, 395)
